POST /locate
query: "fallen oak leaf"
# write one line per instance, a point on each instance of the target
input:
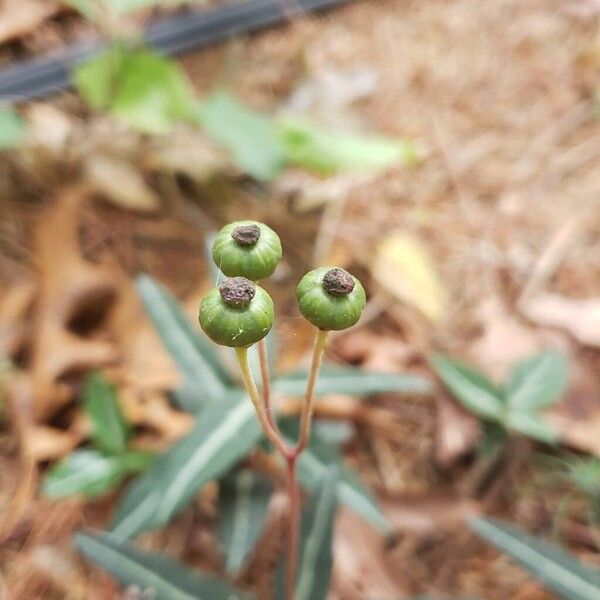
(69, 286)
(48, 443)
(16, 305)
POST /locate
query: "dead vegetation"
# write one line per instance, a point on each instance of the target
(502, 98)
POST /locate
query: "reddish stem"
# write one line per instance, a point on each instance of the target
(293, 527)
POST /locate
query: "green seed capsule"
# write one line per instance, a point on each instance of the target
(331, 298)
(247, 249)
(237, 314)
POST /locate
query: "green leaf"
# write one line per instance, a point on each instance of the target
(537, 382)
(195, 355)
(250, 136)
(307, 145)
(225, 432)
(90, 474)
(92, 9)
(110, 432)
(471, 388)
(12, 128)
(314, 569)
(333, 380)
(148, 92)
(531, 425)
(158, 576)
(243, 502)
(560, 571)
(314, 462)
(493, 437)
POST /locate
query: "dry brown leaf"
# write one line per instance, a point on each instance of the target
(582, 434)
(503, 340)
(457, 431)
(580, 317)
(14, 326)
(48, 443)
(404, 268)
(69, 287)
(188, 153)
(427, 513)
(20, 17)
(154, 411)
(309, 192)
(121, 183)
(48, 127)
(359, 568)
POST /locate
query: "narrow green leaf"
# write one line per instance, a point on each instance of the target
(243, 502)
(250, 136)
(12, 128)
(343, 380)
(195, 355)
(471, 388)
(317, 531)
(224, 433)
(537, 382)
(110, 432)
(531, 425)
(308, 145)
(89, 473)
(493, 438)
(157, 576)
(314, 462)
(147, 91)
(558, 570)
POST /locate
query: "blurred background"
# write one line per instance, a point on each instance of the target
(446, 152)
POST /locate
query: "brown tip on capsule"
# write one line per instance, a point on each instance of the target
(338, 282)
(237, 292)
(246, 235)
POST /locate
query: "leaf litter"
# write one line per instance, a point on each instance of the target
(482, 204)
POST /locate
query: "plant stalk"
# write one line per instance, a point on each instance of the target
(266, 382)
(261, 413)
(307, 409)
(262, 405)
(293, 492)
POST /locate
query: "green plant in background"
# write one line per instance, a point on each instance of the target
(579, 479)
(93, 471)
(558, 570)
(151, 94)
(532, 384)
(225, 432)
(12, 128)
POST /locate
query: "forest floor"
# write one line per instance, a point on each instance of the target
(502, 100)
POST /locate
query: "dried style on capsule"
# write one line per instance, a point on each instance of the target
(237, 314)
(248, 249)
(331, 298)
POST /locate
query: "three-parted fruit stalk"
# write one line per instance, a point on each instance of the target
(239, 313)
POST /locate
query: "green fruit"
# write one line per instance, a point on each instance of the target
(237, 314)
(331, 298)
(247, 249)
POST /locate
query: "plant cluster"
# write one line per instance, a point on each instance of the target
(239, 313)
(94, 470)
(226, 431)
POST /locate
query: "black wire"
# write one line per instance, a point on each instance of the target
(42, 77)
